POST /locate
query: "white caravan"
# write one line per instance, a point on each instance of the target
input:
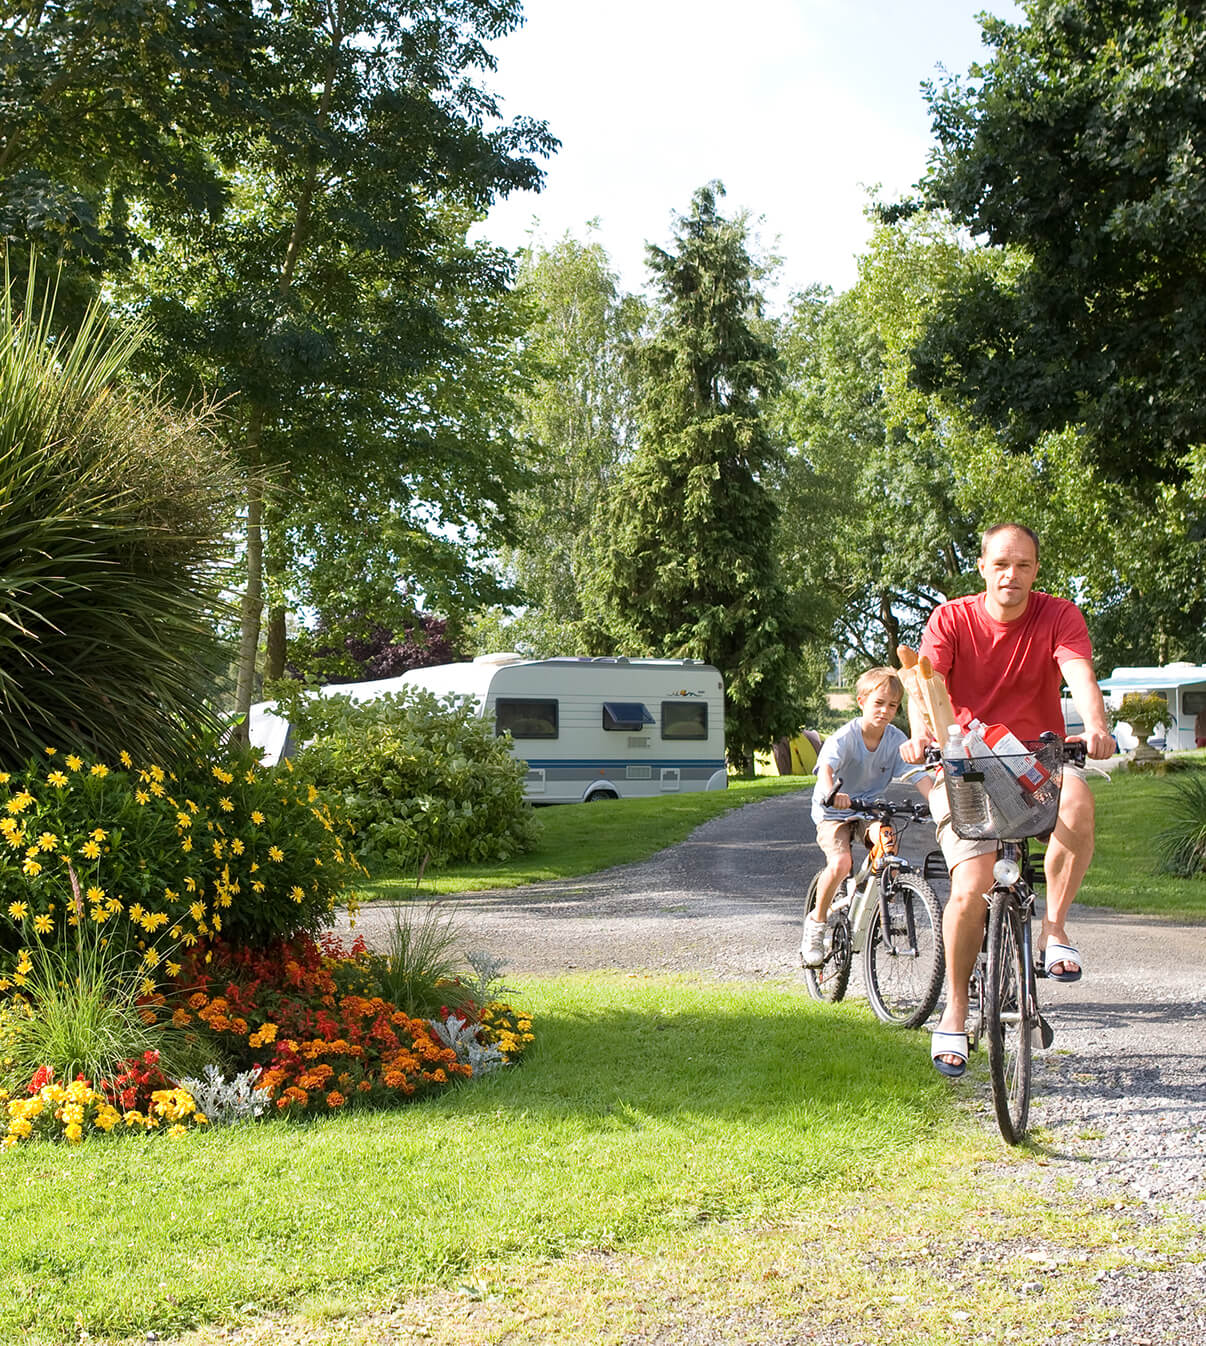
(590, 729)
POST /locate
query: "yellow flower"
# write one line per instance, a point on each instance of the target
(31, 868)
(43, 924)
(91, 850)
(99, 834)
(275, 853)
(74, 762)
(157, 790)
(95, 894)
(296, 893)
(225, 805)
(257, 817)
(57, 779)
(4, 778)
(100, 915)
(142, 797)
(236, 846)
(197, 911)
(50, 752)
(186, 843)
(18, 910)
(157, 773)
(99, 769)
(183, 820)
(173, 969)
(19, 802)
(47, 841)
(125, 759)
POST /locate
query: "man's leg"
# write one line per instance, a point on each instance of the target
(1068, 855)
(962, 934)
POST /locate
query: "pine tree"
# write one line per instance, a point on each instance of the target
(689, 567)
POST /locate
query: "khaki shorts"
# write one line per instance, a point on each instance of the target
(834, 837)
(957, 849)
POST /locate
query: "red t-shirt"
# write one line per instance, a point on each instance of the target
(1006, 672)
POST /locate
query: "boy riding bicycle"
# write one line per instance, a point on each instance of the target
(862, 757)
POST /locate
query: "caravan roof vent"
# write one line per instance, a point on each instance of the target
(502, 657)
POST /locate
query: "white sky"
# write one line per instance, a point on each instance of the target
(797, 106)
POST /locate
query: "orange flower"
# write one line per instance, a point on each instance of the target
(335, 1099)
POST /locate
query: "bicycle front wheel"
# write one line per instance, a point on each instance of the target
(903, 963)
(1007, 1012)
(829, 981)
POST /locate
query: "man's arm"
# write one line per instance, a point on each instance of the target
(1087, 698)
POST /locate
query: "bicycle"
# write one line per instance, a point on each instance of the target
(889, 914)
(988, 804)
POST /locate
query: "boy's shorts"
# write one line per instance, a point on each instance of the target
(834, 836)
(957, 849)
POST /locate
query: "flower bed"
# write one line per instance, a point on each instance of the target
(187, 903)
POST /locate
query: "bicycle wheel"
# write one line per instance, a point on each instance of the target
(1008, 1029)
(829, 981)
(903, 965)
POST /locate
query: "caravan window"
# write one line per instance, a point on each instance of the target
(684, 719)
(628, 717)
(525, 718)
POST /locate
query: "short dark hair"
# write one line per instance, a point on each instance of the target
(989, 533)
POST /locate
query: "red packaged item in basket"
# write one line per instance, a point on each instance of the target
(1030, 773)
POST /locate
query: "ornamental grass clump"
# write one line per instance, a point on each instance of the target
(1181, 846)
(114, 517)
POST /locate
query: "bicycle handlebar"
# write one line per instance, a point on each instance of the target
(1075, 750)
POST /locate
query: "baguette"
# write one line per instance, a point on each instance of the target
(933, 700)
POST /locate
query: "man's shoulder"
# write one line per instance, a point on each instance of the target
(956, 610)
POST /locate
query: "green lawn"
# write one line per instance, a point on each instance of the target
(1123, 876)
(646, 1108)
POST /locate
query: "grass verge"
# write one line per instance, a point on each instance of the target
(585, 838)
(1123, 877)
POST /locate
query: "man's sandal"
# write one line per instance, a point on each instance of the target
(948, 1044)
(1055, 954)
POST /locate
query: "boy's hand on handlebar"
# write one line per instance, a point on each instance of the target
(840, 800)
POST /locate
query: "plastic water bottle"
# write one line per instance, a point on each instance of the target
(954, 753)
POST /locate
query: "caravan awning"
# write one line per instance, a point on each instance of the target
(1124, 680)
(626, 715)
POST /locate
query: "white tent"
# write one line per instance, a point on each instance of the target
(1182, 685)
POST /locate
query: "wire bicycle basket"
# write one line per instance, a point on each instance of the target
(1007, 796)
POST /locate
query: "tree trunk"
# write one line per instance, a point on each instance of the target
(253, 603)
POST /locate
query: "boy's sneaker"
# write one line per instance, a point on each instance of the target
(812, 948)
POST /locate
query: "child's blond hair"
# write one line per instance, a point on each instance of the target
(877, 677)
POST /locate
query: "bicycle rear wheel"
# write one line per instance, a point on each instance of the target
(903, 965)
(1009, 1028)
(829, 981)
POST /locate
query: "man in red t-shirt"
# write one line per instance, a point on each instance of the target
(1004, 654)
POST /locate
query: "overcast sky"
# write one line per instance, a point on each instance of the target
(797, 106)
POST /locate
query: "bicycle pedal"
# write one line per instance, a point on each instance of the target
(1046, 1032)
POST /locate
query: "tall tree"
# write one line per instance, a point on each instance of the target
(688, 566)
(1081, 145)
(578, 424)
(334, 304)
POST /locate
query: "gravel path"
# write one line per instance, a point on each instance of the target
(1121, 1096)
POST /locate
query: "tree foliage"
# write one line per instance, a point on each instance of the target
(1080, 145)
(112, 115)
(688, 564)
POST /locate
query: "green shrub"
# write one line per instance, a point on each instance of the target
(1181, 846)
(422, 779)
(114, 512)
(160, 860)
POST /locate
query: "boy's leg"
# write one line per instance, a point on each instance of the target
(834, 840)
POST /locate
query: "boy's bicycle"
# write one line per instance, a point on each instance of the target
(1004, 1005)
(889, 914)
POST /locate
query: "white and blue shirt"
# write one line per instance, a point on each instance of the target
(861, 771)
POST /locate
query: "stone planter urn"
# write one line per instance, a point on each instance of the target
(1143, 711)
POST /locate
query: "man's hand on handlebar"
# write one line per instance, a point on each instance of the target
(913, 751)
(1099, 743)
